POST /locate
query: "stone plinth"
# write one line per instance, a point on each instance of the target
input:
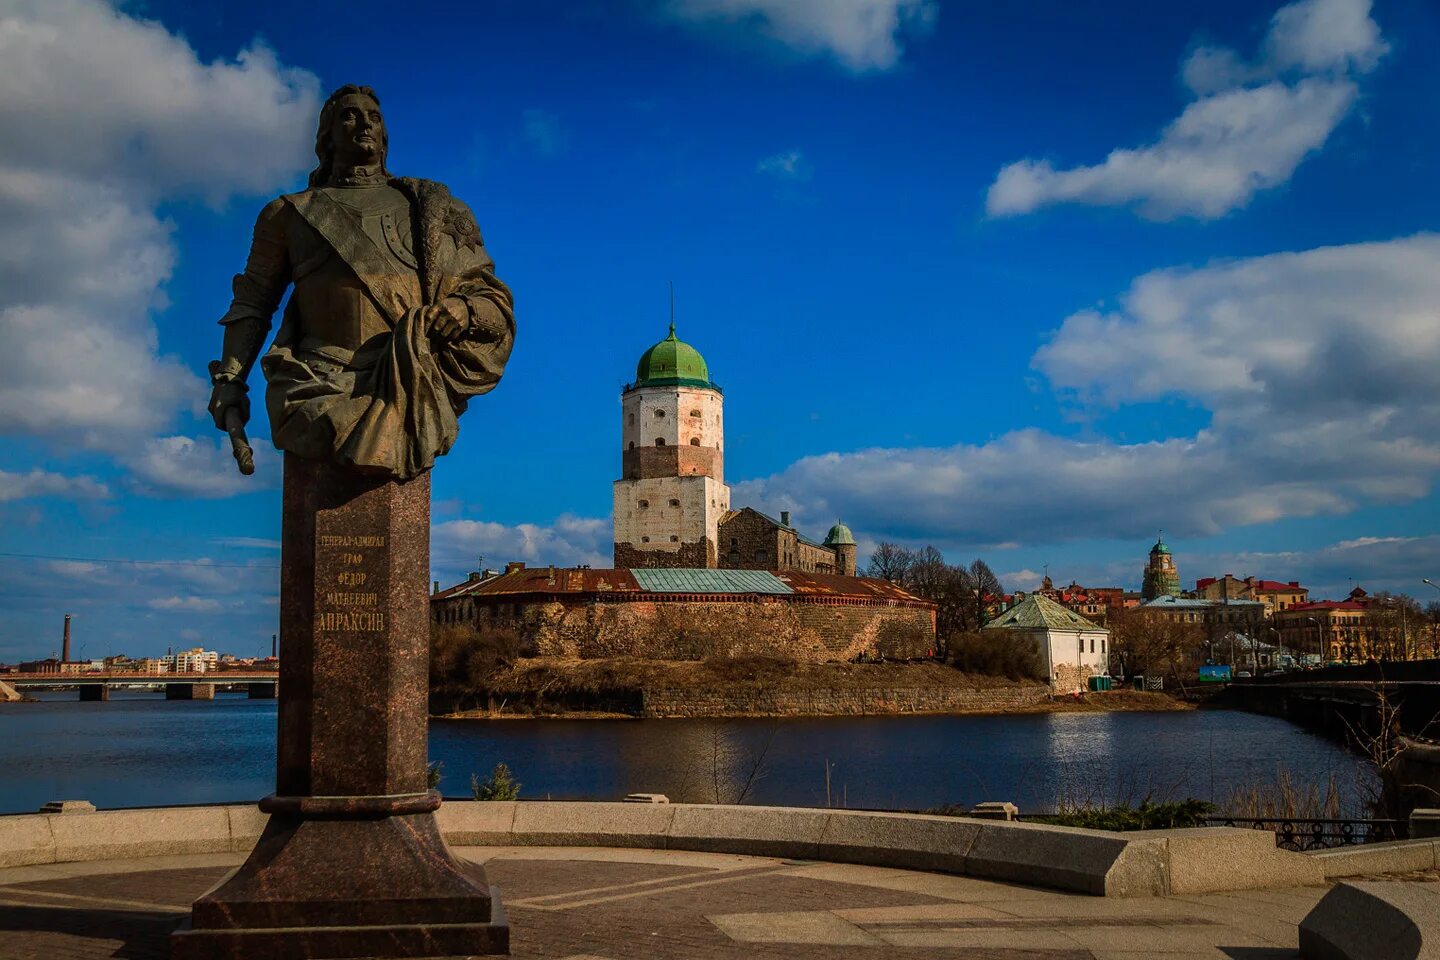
(90, 692)
(351, 863)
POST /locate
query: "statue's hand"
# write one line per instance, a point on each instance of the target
(228, 394)
(448, 319)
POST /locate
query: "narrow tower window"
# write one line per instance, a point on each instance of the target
(659, 441)
(659, 414)
(694, 441)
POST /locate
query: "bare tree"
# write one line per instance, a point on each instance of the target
(986, 585)
(891, 562)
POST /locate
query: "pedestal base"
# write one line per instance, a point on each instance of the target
(347, 888)
(451, 941)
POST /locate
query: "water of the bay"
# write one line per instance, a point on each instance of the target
(140, 750)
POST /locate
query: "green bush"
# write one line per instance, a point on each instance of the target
(1146, 816)
(500, 786)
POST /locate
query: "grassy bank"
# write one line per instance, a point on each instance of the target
(618, 687)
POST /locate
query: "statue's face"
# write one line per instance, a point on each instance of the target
(358, 131)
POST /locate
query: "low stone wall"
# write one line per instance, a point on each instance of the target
(835, 701)
(1140, 864)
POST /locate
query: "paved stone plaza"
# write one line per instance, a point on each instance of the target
(571, 903)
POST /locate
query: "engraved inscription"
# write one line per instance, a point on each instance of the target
(349, 609)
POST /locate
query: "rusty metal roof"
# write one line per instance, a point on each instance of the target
(833, 584)
(700, 580)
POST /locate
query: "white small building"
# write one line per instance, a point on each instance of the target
(1071, 649)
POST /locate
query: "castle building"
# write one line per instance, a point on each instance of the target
(1161, 578)
(671, 503)
(694, 579)
(672, 492)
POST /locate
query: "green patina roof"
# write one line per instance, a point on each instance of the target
(1160, 546)
(1039, 612)
(699, 580)
(839, 536)
(672, 363)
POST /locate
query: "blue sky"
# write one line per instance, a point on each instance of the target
(1027, 281)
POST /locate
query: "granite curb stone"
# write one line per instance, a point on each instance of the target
(1148, 864)
(1374, 921)
(1396, 856)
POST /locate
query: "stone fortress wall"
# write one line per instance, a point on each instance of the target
(810, 630)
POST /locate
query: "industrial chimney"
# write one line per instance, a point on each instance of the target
(65, 644)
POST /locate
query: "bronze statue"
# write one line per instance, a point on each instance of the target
(396, 320)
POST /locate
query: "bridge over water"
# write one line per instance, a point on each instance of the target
(259, 684)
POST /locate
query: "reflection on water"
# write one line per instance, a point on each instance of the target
(139, 749)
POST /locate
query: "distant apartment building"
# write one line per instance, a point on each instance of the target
(194, 660)
(1215, 616)
(1275, 594)
(1360, 627)
(1097, 604)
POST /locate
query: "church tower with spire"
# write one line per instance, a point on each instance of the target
(1161, 576)
(671, 493)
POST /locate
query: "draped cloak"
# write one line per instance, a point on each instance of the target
(389, 406)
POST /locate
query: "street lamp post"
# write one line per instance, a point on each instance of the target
(1320, 633)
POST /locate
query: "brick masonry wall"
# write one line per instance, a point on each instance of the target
(689, 555)
(698, 629)
(836, 702)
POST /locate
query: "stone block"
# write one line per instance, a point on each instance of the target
(1424, 824)
(26, 840)
(247, 822)
(543, 823)
(898, 840)
(1067, 858)
(1368, 859)
(995, 810)
(119, 834)
(1213, 859)
(646, 798)
(752, 831)
(477, 823)
(1374, 921)
(68, 806)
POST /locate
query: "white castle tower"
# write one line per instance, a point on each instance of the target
(672, 492)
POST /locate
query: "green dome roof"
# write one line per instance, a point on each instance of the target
(672, 363)
(1160, 547)
(839, 536)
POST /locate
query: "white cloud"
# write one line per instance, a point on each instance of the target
(114, 115)
(42, 483)
(1317, 369)
(1252, 126)
(569, 541)
(862, 35)
(204, 468)
(786, 165)
(190, 604)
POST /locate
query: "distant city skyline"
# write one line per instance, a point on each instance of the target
(1025, 283)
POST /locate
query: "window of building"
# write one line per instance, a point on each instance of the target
(644, 539)
(644, 504)
(659, 441)
(632, 419)
(674, 539)
(1092, 644)
(1102, 644)
(694, 413)
(632, 444)
(674, 503)
(659, 414)
(694, 441)
(734, 541)
(760, 556)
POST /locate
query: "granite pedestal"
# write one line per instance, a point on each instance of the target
(351, 863)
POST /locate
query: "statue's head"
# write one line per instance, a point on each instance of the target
(351, 132)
